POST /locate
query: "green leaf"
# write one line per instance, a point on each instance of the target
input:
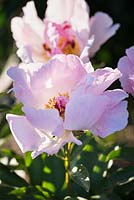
(35, 166)
(5, 193)
(49, 170)
(121, 176)
(4, 108)
(125, 153)
(113, 154)
(78, 149)
(11, 154)
(28, 159)
(126, 189)
(11, 178)
(4, 128)
(17, 109)
(80, 175)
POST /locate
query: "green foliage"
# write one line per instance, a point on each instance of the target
(80, 176)
(10, 178)
(94, 173)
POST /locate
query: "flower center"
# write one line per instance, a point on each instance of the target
(69, 46)
(58, 103)
(65, 41)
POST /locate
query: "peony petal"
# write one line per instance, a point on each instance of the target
(29, 31)
(31, 18)
(130, 53)
(25, 135)
(103, 78)
(126, 67)
(84, 111)
(60, 75)
(21, 76)
(24, 34)
(59, 11)
(102, 28)
(115, 116)
(54, 145)
(116, 96)
(46, 120)
(97, 82)
(85, 53)
(112, 120)
(25, 54)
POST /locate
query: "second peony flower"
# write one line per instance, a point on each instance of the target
(66, 29)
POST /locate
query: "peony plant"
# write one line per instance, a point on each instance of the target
(63, 107)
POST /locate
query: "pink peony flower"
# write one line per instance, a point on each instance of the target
(65, 29)
(126, 66)
(63, 96)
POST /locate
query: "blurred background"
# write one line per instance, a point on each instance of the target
(118, 147)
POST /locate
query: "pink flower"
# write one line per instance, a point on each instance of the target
(65, 29)
(63, 96)
(126, 66)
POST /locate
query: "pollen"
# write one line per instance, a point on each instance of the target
(59, 102)
(69, 46)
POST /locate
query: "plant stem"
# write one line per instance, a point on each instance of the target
(67, 166)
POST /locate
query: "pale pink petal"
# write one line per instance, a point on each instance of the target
(25, 54)
(25, 135)
(21, 76)
(85, 53)
(97, 82)
(60, 75)
(114, 119)
(116, 96)
(55, 144)
(103, 78)
(89, 68)
(102, 114)
(29, 27)
(126, 67)
(130, 53)
(31, 18)
(29, 31)
(84, 111)
(60, 11)
(24, 35)
(21, 85)
(46, 120)
(102, 28)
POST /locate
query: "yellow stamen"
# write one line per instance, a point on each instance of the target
(69, 47)
(59, 103)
